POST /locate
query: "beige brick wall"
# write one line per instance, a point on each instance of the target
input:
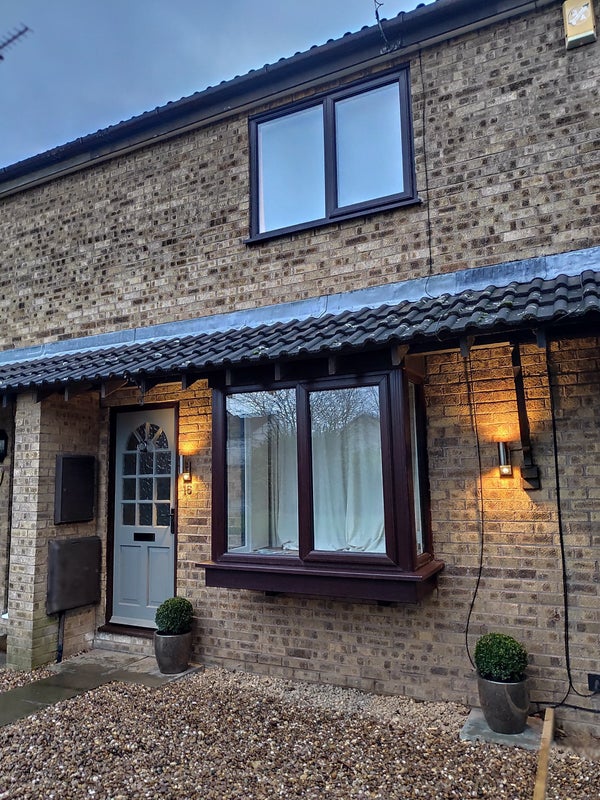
(507, 123)
(6, 424)
(505, 119)
(420, 650)
(42, 430)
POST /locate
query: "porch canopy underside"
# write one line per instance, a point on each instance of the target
(519, 310)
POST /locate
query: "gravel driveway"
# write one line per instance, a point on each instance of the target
(218, 735)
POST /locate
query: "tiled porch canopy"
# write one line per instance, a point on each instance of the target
(426, 324)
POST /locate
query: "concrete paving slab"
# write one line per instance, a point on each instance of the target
(26, 700)
(476, 729)
(81, 674)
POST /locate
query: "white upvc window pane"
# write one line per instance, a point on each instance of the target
(262, 473)
(291, 169)
(369, 146)
(347, 471)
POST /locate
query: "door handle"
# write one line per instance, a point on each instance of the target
(172, 521)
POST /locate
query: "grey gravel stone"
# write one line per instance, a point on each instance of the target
(219, 735)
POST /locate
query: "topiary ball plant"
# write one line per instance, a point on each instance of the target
(499, 657)
(174, 616)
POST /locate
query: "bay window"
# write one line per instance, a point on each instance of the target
(320, 487)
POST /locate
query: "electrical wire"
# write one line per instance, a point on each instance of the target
(468, 365)
(561, 536)
(469, 380)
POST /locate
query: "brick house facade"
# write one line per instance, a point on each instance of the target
(140, 234)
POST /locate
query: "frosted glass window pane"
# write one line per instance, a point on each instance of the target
(146, 463)
(291, 167)
(347, 470)
(145, 489)
(128, 514)
(129, 461)
(161, 442)
(163, 489)
(369, 146)
(145, 513)
(129, 489)
(163, 463)
(162, 513)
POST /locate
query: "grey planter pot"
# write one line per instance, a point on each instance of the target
(505, 706)
(173, 651)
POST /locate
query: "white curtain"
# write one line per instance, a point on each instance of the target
(348, 487)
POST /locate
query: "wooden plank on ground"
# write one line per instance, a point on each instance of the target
(541, 777)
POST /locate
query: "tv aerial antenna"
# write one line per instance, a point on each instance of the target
(10, 38)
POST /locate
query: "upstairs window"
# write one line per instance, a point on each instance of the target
(341, 155)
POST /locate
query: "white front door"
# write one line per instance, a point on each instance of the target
(144, 532)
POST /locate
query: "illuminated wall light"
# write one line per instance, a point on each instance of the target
(185, 469)
(504, 466)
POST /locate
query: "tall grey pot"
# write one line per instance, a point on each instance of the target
(505, 706)
(173, 651)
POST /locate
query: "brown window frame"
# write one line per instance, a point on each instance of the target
(327, 101)
(398, 575)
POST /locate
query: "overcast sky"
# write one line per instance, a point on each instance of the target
(88, 64)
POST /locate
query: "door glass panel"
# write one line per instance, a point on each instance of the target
(149, 457)
(146, 488)
(161, 442)
(128, 514)
(163, 488)
(163, 463)
(146, 463)
(145, 512)
(129, 462)
(162, 513)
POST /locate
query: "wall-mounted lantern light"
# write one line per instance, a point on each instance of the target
(185, 469)
(504, 466)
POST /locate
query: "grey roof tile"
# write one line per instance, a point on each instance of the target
(564, 299)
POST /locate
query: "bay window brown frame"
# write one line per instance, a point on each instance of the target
(399, 574)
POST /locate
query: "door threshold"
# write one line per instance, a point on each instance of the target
(127, 630)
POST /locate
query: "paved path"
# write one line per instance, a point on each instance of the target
(78, 675)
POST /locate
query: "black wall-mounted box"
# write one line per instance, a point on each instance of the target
(75, 489)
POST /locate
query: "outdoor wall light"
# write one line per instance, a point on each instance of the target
(504, 465)
(185, 469)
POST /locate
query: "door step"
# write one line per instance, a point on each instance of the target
(137, 645)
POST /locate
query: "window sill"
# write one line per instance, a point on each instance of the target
(301, 227)
(365, 584)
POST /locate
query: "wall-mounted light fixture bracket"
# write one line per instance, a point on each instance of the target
(530, 473)
(505, 469)
(185, 469)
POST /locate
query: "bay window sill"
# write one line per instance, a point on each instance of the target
(385, 585)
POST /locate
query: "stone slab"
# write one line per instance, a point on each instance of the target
(476, 729)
